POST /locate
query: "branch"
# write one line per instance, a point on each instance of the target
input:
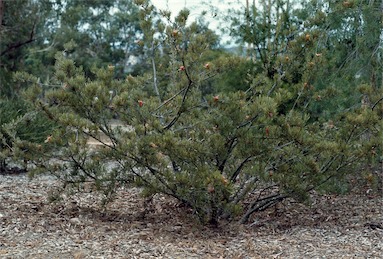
(267, 202)
(239, 169)
(168, 189)
(180, 110)
(20, 44)
(231, 145)
(46, 49)
(244, 189)
(80, 165)
(170, 99)
(376, 103)
(16, 46)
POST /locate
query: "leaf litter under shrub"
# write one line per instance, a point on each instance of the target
(134, 227)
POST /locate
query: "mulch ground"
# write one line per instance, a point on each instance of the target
(332, 226)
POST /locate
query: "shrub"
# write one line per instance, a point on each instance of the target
(210, 153)
(224, 155)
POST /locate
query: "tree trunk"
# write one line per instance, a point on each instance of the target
(1, 14)
(155, 74)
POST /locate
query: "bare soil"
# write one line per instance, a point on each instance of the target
(131, 227)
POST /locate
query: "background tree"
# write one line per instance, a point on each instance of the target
(104, 32)
(329, 48)
(94, 34)
(22, 26)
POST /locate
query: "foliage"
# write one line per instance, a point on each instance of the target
(94, 34)
(18, 123)
(102, 33)
(223, 154)
(21, 26)
(328, 48)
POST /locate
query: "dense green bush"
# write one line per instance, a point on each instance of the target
(224, 154)
(211, 152)
(223, 149)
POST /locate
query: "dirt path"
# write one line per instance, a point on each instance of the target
(30, 227)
